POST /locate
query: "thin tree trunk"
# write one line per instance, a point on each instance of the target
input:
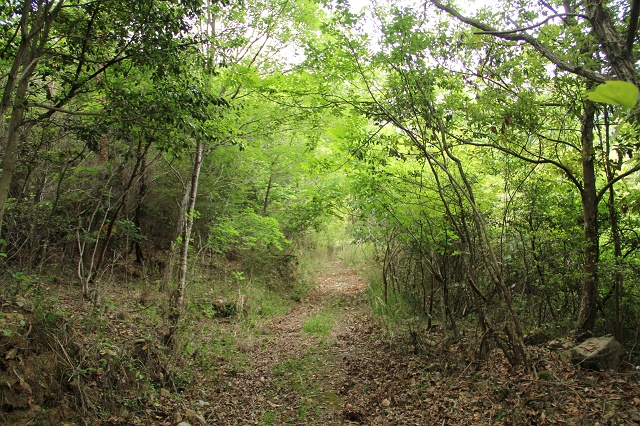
(587, 313)
(618, 280)
(184, 251)
(167, 279)
(177, 301)
(142, 191)
(265, 204)
(432, 293)
(385, 283)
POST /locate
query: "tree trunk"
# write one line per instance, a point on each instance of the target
(177, 300)
(587, 313)
(613, 45)
(10, 159)
(31, 47)
(186, 236)
(618, 280)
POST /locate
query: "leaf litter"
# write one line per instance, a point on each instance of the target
(359, 374)
(278, 374)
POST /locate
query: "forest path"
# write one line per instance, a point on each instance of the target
(314, 364)
(327, 362)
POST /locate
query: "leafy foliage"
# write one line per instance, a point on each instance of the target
(615, 93)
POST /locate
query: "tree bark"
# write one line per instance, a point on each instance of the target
(612, 43)
(587, 313)
(10, 159)
(177, 299)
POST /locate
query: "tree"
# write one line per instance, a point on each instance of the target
(56, 51)
(228, 109)
(613, 42)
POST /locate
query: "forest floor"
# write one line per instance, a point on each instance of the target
(323, 360)
(328, 362)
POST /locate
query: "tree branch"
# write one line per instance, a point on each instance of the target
(618, 178)
(541, 160)
(530, 27)
(533, 42)
(67, 111)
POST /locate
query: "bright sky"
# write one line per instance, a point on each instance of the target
(463, 5)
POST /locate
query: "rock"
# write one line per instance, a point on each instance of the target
(183, 424)
(537, 336)
(599, 353)
(23, 303)
(591, 381)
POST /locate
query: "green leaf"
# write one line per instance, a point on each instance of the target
(615, 93)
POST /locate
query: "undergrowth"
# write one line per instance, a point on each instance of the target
(65, 360)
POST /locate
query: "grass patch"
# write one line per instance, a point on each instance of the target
(265, 303)
(320, 324)
(211, 347)
(269, 418)
(296, 370)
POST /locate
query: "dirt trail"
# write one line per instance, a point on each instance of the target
(296, 377)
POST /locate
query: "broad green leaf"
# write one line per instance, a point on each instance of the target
(615, 93)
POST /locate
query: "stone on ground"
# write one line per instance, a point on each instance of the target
(599, 353)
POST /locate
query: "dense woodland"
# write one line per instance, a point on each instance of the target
(198, 151)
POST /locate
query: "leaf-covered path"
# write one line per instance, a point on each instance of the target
(327, 362)
(296, 376)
